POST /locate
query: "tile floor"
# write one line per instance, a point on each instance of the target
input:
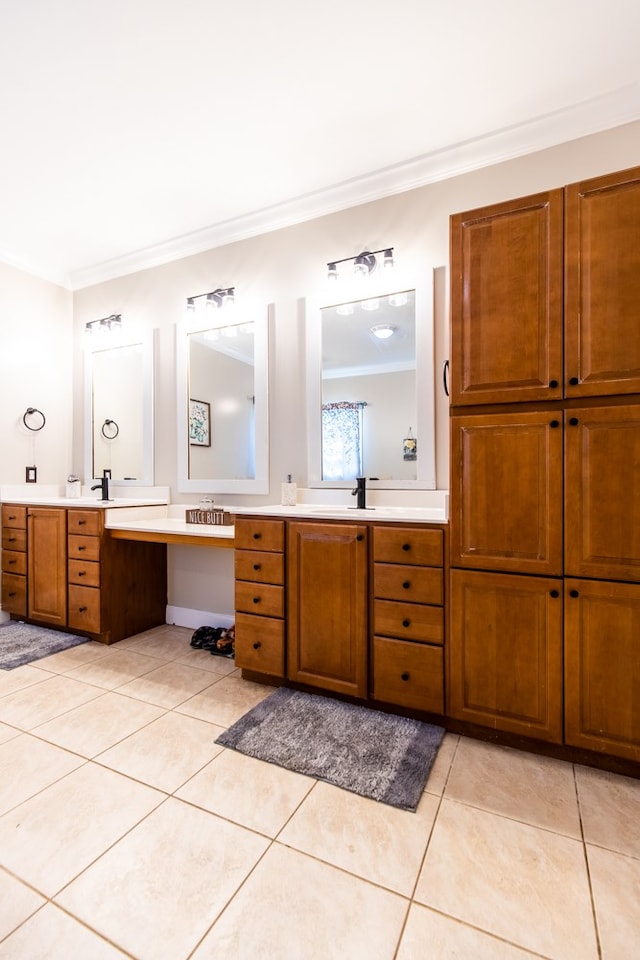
(125, 831)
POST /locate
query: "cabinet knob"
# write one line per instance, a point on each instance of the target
(257, 645)
(82, 573)
(406, 623)
(256, 599)
(553, 384)
(359, 537)
(80, 549)
(554, 423)
(11, 562)
(406, 584)
(256, 536)
(405, 676)
(573, 593)
(12, 593)
(256, 566)
(13, 517)
(81, 523)
(12, 539)
(406, 546)
(574, 381)
(82, 609)
(574, 421)
(554, 593)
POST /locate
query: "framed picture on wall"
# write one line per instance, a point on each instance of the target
(199, 423)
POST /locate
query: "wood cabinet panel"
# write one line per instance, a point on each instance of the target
(408, 674)
(259, 566)
(84, 547)
(47, 565)
(261, 599)
(393, 581)
(260, 644)
(252, 534)
(14, 594)
(84, 573)
(85, 522)
(84, 609)
(408, 621)
(602, 492)
(506, 492)
(602, 264)
(506, 301)
(602, 667)
(14, 539)
(14, 517)
(14, 562)
(327, 606)
(409, 545)
(505, 653)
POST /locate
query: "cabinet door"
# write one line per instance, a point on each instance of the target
(602, 492)
(506, 492)
(602, 262)
(47, 565)
(505, 655)
(506, 301)
(602, 667)
(327, 606)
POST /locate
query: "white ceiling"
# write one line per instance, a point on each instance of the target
(135, 131)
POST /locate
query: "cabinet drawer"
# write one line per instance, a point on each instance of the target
(394, 581)
(408, 674)
(260, 567)
(14, 517)
(14, 539)
(85, 573)
(263, 599)
(407, 545)
(408, 621)
(86, 522)
(84, 609)
(14, 562)
(259, 534)
(260, 644)
(84, 548)
(14, 594)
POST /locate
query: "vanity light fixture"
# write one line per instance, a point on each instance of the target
(363, 263)
(383, 330)
(220, 297)
(106, 324)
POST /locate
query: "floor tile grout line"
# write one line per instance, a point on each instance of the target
(592, 900)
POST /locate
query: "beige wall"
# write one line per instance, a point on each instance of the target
(281, 268)
(36, 370)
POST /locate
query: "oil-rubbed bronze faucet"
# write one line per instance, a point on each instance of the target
(104, 486)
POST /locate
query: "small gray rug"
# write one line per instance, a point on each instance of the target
(374, 754)
(22, 643)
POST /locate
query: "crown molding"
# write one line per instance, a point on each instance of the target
(591, 116)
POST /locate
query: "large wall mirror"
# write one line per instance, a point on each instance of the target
(119, 410)
(370, 387)
(223, 414)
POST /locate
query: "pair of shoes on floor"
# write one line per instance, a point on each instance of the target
(217, 640)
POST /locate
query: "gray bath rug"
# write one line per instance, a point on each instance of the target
(22, 643)
(374, 754)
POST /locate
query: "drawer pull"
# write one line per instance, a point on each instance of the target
(257, 536)
(257, 645)
(257, 566)
(12, 593)
(405, 676)
(256, 599)
(360, 538)
(82, 609)
(82, 573)
(406, 623)
(406, 546)
(80, 549)
(81, 523)
(11, 562)
(574, 593)
(12, 539)
(406, 585)
(13, 517)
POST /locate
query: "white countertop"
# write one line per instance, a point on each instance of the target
(84, 502)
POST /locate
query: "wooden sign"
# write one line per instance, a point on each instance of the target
(215, 517)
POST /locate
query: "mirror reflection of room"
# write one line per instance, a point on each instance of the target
(117, 412)
(369, 389)
(221, 403)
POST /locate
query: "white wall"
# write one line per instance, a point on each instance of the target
(283, 267)
(36, 370)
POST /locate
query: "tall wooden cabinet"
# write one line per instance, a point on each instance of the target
(545, 465)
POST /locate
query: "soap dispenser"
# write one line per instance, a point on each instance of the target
(289, 492)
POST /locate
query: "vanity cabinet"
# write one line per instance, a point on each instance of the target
(14, 560)
(544, 479)
(327, 606)
(69, 574)
(260, 595)
(408, 617)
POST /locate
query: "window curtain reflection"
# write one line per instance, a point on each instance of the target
(342, 440)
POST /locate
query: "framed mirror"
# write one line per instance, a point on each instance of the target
(370, 384)
(118, 390)
(222, 401)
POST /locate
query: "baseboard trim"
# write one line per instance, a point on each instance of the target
(185, 617)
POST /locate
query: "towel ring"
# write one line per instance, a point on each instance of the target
(110, 430)
(28, 413)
